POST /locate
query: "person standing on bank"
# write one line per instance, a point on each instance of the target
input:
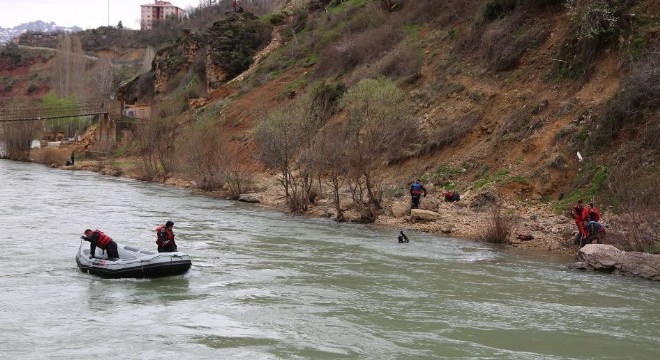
(416, 192)
(165, 239)
(98, 238)
(580, 216)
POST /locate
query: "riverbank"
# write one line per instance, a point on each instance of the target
(466, 219)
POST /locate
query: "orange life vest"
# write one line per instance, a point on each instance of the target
(169, 235)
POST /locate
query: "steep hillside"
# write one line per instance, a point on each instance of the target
(334, 107)
(494, 95)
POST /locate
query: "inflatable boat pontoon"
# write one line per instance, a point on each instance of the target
(132, 263)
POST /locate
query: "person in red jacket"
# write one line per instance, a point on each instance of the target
(97, 238)
(580, 215)
(165, 239)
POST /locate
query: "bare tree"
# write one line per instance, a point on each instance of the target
(155, 139)
(102, 81)
(328, 157)
(279, 138)
(208, 159)
(201, 159)
(17, 138)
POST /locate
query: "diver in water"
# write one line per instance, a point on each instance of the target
(403, 238)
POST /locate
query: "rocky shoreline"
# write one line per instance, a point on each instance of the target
(465, 219)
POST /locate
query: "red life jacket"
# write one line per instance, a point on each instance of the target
(169, 235)
(580, 214)
(103, 240)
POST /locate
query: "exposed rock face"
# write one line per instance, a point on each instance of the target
(219, 54)
(173, 59)
(232, 44)
(608, 259)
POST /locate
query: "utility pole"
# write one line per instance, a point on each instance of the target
(108, 13)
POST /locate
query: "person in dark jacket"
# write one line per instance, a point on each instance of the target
(416, 192)
(96, 239)
(165, 239)
(594, 214)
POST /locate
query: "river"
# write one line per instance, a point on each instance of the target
(265, 285)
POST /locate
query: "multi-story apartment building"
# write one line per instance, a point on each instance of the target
(159, 10)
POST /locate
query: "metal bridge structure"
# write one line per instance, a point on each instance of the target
(106, 111)
(38, 113)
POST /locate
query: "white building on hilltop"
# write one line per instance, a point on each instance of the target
(159, 10)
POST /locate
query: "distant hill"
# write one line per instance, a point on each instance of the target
(6, 34)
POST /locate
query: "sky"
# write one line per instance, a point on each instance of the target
(87, 14)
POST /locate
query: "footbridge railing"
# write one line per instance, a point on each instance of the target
(38, 113)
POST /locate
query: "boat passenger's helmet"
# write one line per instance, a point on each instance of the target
(169, 223)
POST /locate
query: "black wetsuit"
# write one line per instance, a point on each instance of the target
(111, 248)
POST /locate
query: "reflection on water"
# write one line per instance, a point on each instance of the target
(267, 286)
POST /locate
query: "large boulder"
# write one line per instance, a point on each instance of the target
(608, 259)
(423, 215)
(400, 209)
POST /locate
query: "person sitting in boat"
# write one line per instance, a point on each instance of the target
(98, 238)
(165, 239)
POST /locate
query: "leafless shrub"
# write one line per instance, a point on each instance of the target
(202, 159)
(102, 81)
(405, 61)
(282, 135)
(238, 177)
(638, 99)
(262, 7)
(505, 42)
(17, 138)
(500, 226)
(352, 50)
(632, 189)
(202, 16)
(520, 124)
(155, 139)
(328, 158)
(443, 11)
